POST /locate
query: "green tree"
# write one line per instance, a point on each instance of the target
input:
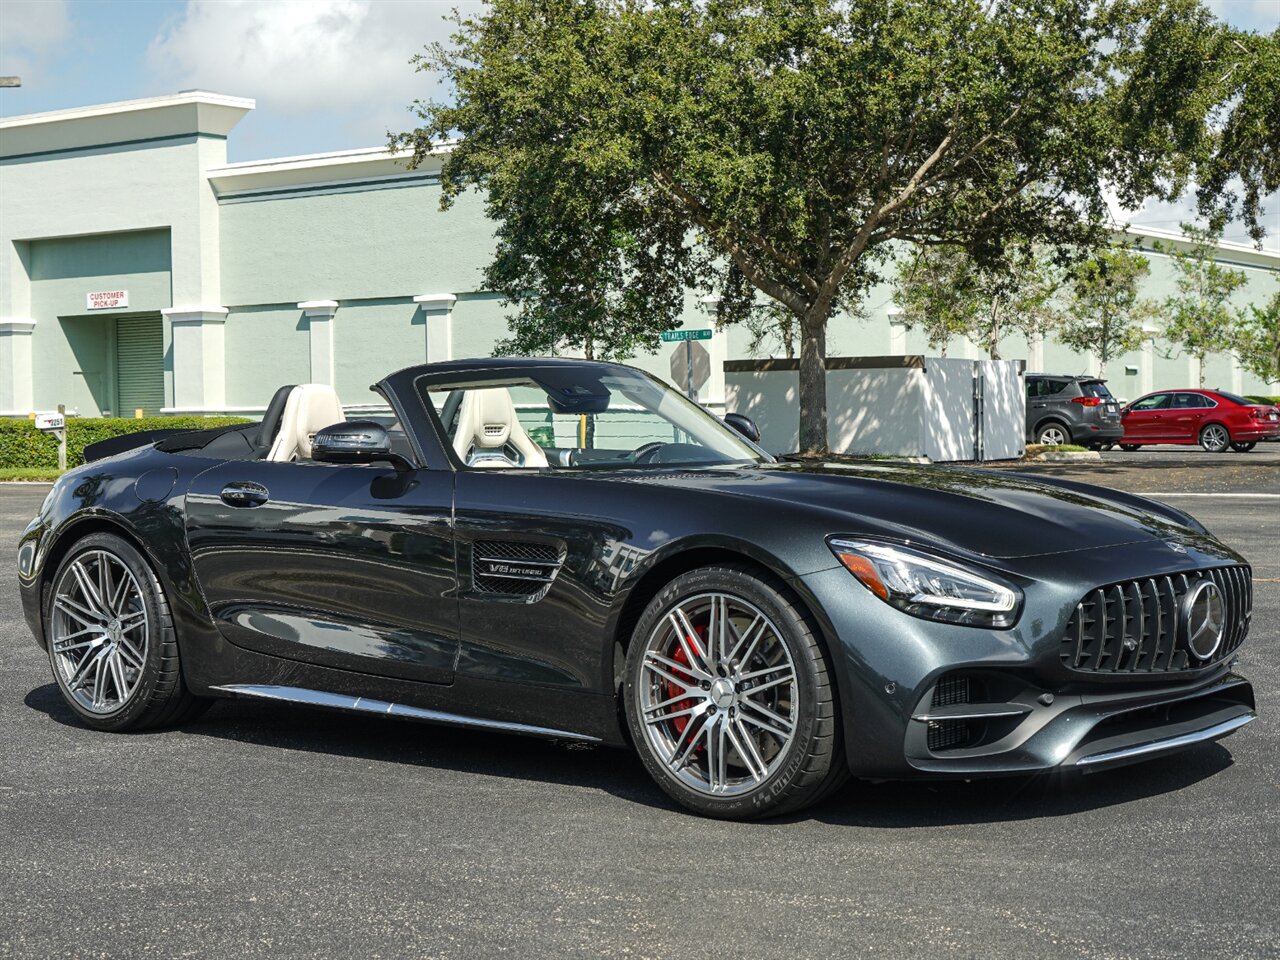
(1103, 314)
(789, 143)
(1257, 340)
(1199, 318)
(947, 293)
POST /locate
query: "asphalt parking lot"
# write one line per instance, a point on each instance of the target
(264, 831)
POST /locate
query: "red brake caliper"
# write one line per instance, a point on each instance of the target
(673, 690)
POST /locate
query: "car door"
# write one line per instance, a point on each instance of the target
(1185, 416)
(343, 566)
(1144, 421)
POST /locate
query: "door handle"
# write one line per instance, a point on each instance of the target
(244, 493)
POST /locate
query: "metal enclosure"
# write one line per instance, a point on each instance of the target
(945, 409)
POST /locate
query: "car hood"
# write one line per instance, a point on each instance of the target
(981, 512)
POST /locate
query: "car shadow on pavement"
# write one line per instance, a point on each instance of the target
(620, 773)
(392, 740)
(949, 802)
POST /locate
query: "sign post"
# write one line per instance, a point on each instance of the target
(686, 337)
(56, 423)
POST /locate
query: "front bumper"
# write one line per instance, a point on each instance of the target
(1022, 710)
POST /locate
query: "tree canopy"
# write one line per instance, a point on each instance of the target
(1200, 318)
(1104, 314)
(945, 292)
(780, 147)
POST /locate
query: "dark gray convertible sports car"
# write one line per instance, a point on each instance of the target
(571, 549)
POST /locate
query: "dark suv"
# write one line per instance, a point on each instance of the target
(1064, 409)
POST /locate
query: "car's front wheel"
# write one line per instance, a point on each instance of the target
(111, 640)
(1243, 447)
(1129, 447)
(729, 696)
(1215, 438)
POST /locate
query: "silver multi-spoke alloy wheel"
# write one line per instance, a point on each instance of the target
(1215, 438)
(100, 632)
(718, 694)
(1053, 435)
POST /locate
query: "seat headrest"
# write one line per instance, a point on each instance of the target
(311, 407)
(493, 415)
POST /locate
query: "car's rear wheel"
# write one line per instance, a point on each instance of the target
(1053, 434)
(111, 640)
(1129, 447)
(1215, 438)
(1243, 447)
(729, 696)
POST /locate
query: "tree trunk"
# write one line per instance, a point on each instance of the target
(1200, 369)
(813, 385)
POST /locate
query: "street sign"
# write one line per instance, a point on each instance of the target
(679, 336)
(50, 421)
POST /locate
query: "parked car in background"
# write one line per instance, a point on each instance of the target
(1070, 409)
(1214, 419)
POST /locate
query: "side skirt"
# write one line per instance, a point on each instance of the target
(340, 701)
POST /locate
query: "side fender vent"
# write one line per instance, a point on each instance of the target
(515, 568)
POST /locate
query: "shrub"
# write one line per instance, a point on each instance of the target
(23, 446)
(1274, 401)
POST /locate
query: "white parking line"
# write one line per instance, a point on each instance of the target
(1250, 496)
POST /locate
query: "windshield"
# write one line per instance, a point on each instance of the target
(589, 417)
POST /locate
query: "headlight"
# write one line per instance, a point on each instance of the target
(927, 586)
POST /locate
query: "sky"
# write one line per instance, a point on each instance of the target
(295, 58)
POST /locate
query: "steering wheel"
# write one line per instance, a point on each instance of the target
(647, 453)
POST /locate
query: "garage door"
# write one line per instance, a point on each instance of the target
(139, 365)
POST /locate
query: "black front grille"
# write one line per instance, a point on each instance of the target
(950, 734)
(514, 568)
(1136, 626)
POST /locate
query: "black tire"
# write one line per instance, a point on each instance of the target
(160, 697)
(812, 764)
(1053, 433)
(1215, 438)
(1129, 447)
(1243, 447)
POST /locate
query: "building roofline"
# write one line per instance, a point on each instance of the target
(153, 121)
(1233, 252)
(128, 106)
(321, 169)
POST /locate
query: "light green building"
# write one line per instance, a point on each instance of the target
(141, 271)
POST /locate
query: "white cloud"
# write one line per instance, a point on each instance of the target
(29, 31)
(339, 60)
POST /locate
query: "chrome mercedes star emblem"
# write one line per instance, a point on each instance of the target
(1203, 619)
(1175, 547)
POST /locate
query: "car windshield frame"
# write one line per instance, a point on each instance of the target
(684, 413)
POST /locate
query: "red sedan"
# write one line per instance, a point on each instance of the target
(1212, 418)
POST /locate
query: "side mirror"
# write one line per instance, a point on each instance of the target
(356, 441)
(743, 425)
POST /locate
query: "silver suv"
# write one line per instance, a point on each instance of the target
(1066, 409)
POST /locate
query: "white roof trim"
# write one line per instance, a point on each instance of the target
(318, 170)
(129, 106)
(1247, 250)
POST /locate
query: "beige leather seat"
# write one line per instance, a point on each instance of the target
(490, 434)
(311, 407)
